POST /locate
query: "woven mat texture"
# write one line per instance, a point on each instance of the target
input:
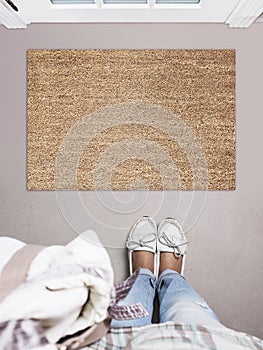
(66, 87)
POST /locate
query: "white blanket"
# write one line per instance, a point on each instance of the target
(60, 289)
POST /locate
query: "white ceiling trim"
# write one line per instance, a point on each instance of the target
(9, 17)
(245, 13)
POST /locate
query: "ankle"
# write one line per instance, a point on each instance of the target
(143, 259)
(170, 261)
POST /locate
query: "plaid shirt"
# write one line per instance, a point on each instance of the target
(27, 334)
(21, 334)
(119, 292)
(171, 336)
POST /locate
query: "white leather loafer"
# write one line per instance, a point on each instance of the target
(171, 238)
(142, 236)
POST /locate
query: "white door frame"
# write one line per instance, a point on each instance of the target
(236, 13)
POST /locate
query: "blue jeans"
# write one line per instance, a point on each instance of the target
(178, 301)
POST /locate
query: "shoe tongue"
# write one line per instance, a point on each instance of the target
(170, 230)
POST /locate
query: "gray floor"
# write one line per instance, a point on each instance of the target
(225, 228)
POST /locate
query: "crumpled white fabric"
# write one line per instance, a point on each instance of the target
(63, 305)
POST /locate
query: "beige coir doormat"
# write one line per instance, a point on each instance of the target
(131, 119)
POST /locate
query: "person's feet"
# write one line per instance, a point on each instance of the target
(145, 260)
(171, 246)
(156, 248)
(142, 259)
(141, 244)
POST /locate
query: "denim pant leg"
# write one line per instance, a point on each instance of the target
(143, 291)
(180, 303)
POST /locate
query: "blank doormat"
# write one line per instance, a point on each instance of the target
(131, 120)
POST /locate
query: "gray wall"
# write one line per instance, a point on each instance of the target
(225, 255)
